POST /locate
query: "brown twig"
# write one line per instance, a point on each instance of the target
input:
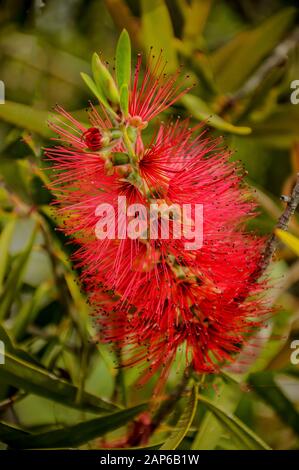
(282, 224)
(8, 402)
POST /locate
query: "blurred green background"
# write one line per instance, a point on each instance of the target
(243, 55)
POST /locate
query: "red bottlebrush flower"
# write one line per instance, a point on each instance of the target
(93, 139)
(206, 301)
(153, 293)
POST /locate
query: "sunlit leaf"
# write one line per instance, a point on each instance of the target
(288, 239)
(200, 110)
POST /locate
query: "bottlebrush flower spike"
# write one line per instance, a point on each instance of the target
(151, 292)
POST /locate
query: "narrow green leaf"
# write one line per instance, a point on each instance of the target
(264, 385)
(29, 310)
(5, 240)
(26, 376)
(104, 80)
(10, 347)
(96, 90)
(15, 277)
(123, 60)
(73, 436)
(17, 177)
(211, 429)
(124, 100)
(240, 431)
(11, 435)
(200, 110)
(291, 371)
(184, 423)
(157, 31)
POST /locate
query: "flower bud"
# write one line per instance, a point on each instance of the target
(93, 138)
(137, 121)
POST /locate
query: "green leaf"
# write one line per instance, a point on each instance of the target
(144, 448)
(184, 423)
(200, 110)
(230, 68)
(9, 346)
(96, 90)
(5, 240)
(26, 117)
(157, 31)
(17, 176)
(288, 239)
(279, 129)
(15, 277)
(73, 436)
(211, 429)
(264, 385)
(104, 80)
(33, 53)
(291, 371)
(123, 60)
(26, 376)
(29, 310)
(124, 100)
(240, 431)
(11, 435)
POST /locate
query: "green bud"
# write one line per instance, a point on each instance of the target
(119, 158)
